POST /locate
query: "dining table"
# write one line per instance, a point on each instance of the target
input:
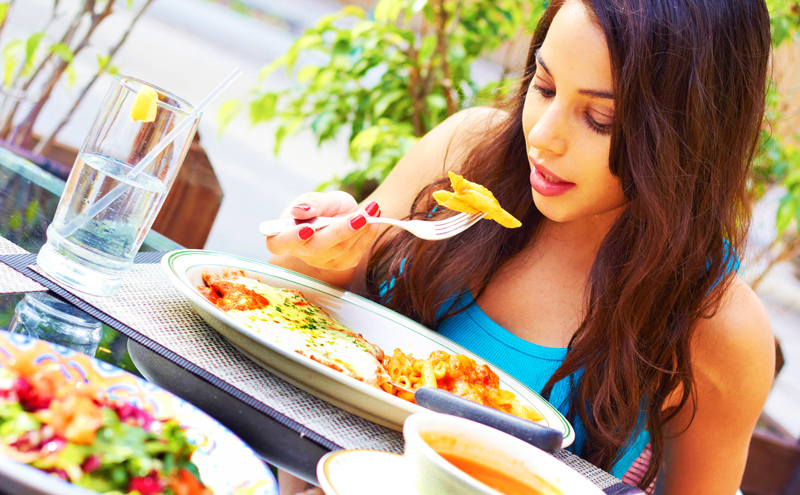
(149, 329)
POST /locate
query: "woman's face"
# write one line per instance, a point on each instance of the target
(567, 121)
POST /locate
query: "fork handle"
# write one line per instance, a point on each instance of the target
(275, 227)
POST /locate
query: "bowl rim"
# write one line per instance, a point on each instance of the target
(515, 448)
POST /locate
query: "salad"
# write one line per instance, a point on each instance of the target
(72, 430)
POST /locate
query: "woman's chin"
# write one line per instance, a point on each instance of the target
(551, 211)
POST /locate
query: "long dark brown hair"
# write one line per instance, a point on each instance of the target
(690, 84)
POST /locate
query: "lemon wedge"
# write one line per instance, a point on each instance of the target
(144, 106)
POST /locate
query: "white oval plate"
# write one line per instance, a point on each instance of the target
(378, 325)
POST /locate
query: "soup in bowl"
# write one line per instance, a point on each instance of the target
(447, 454)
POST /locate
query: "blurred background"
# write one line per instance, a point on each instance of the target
(351, 117)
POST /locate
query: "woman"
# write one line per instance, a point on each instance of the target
(625, 155)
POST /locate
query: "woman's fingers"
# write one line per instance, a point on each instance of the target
(314, 204)
(338, 246)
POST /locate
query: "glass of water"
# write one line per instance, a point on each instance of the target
(106, 211)
(45, 317)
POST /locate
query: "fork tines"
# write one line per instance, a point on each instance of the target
(457, 222)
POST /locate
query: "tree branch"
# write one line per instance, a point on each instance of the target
(22, 133)
(45, 143)
(66, 39)
(441, 46)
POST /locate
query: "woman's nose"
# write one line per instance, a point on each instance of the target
(551, 130)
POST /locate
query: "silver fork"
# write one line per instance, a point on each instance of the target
(431, 230)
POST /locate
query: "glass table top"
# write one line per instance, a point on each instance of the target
(45, 316)
(28, 201)
(29, 197)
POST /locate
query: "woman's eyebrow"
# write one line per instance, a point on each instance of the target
(588, 92)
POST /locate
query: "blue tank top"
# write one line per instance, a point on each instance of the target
(529, 363)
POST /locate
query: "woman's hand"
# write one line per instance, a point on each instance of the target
(338, 247)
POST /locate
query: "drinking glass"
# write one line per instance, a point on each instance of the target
(106, 211)
(45, 317)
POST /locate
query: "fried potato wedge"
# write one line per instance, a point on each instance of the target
(471, 198)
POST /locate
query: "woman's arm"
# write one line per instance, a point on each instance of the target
(734, 365)
(337, 254)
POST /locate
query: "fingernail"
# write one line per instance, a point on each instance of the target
(372, 208)
(302, 206)
(358, 221)
(306, 232)
(377, 214)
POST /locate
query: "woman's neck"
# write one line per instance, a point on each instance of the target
(578, 240)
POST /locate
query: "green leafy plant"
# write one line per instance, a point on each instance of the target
(778, 164)
(386, 79)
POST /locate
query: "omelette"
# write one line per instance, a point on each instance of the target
(288, 320)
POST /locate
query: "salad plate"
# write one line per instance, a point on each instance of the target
(378, 325)
(225, 464)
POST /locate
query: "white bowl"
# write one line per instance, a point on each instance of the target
(427, 432)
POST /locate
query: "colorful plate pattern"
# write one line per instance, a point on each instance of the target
(226, 464)
(379, 325)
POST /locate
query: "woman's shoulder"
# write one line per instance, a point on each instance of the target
(453, 139)
(734, 350)
(468, 125)
(439, 151)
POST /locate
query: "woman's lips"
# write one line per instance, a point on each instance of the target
(548, 184)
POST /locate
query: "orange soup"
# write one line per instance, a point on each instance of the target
(490, 476)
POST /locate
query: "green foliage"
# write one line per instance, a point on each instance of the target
(387, 80)
(778, 162)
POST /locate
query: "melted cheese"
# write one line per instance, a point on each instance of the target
(292, 323)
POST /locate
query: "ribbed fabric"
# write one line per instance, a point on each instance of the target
(529, 363)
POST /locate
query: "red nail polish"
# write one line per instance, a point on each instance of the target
(302, 206)
(357, 222)
(377, 214)
(372, 208)
(306, 232)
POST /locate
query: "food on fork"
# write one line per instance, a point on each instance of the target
(145, 105)
(288, 320)
(457, 374)
(73, 431)
(472, 198)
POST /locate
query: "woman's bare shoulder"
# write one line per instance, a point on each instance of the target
(734, 350)
(440, 150)
(453, 139)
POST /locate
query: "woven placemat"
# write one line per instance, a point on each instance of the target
(597, 476)
(12, 281)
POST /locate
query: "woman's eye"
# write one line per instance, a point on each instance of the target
(544, 92)
(602, 129)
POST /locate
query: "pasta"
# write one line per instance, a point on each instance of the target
(472, 198)
(455, 373)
